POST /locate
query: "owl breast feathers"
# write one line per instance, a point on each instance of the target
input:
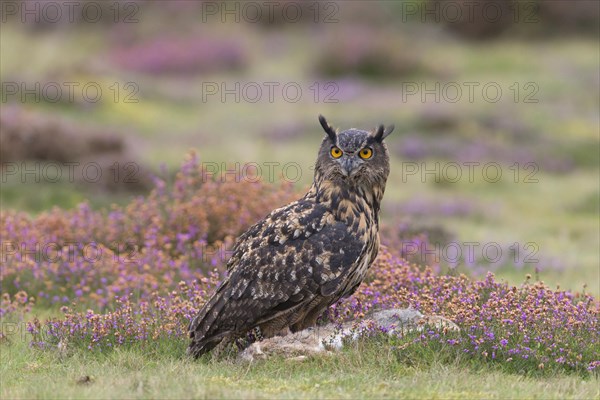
(288, 268)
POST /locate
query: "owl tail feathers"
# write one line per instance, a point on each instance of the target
(197, 349)
(204, 330)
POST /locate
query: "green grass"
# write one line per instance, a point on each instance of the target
(43, 196)
(370, 369)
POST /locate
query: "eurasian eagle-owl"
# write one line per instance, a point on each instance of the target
(288, 268)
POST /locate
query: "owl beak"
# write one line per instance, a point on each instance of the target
(348, 166)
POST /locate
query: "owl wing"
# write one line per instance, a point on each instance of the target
(296, 253)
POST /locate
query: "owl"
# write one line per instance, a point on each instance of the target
(288, 268)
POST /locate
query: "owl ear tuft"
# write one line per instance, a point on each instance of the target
(383, 132)
(327, 128)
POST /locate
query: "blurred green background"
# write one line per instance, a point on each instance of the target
(474, 87)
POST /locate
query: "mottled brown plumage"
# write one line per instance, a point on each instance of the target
(289, 267)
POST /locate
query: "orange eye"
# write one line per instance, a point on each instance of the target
(365, 153)
(336, 152)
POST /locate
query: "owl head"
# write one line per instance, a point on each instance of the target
(353, 157)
